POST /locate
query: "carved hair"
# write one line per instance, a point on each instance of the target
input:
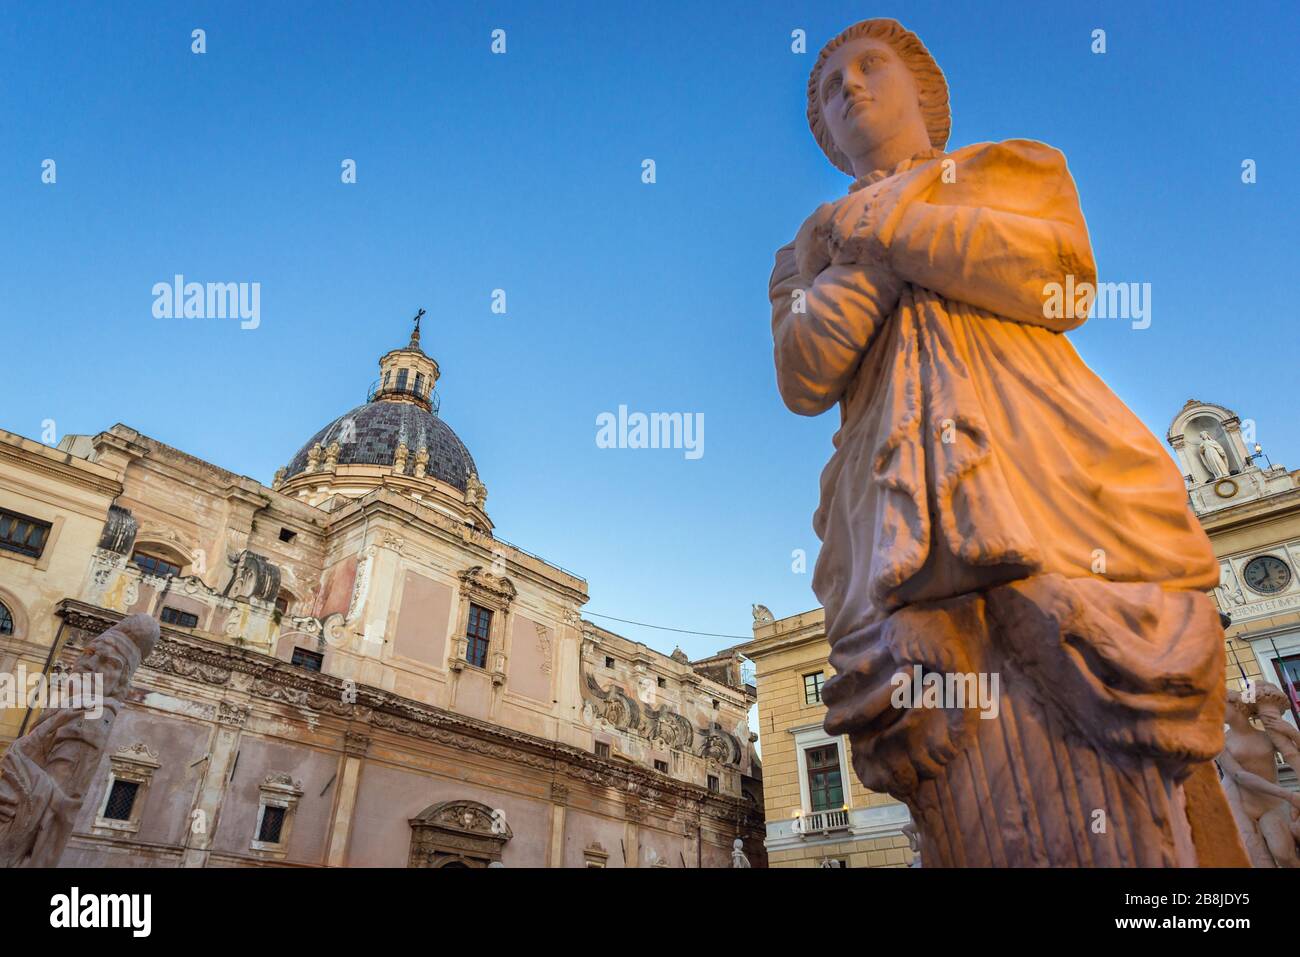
(1267, 691)
(931, 87)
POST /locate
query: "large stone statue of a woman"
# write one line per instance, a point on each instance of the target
(990, 507)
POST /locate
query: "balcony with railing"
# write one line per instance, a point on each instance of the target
(823, 822)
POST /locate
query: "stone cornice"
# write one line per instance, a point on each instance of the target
(61, 466)
(1259, 511)
(209, 662)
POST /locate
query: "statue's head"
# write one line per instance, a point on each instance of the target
(1270, 699)
(871, 82)
(1205, 436)
(117, 652)
(1239, 707)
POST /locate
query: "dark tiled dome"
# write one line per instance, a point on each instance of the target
(379, 427)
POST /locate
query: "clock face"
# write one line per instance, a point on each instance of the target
(1267, 575)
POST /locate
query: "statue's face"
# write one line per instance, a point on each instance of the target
(867, 96)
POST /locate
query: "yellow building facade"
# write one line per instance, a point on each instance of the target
(817, 812)
(1250, 508)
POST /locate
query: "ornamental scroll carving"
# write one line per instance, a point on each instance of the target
(254, 577)
(661, 725)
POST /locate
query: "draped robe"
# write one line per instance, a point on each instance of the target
(979, 455)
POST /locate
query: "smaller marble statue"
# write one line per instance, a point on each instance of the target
(1212, 454)
(738, 858)
(45, 774)
(1267, 814)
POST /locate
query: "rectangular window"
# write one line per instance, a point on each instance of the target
(602, 749)
(812, 688)
(419, 383)
(153, 565)
(663, 682)
(272, 823)
(174, 616)
(825, 789)
(713, 783)
(23, 535)
(287, 534)
(477, 634)
(311, 660)
(401, 380)
(121, 800)
(609, 662)
(661, 766)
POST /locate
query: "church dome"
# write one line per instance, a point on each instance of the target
(397, 441)
(370, 435)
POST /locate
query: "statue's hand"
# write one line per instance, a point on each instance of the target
(1275, 723)
(811, 246)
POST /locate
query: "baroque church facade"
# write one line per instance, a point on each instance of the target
(353, 669)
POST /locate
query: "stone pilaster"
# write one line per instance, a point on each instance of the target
(216, 777)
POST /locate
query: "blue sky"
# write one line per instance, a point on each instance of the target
(522, 172)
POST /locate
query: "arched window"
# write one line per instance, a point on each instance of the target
(154, 564)
(6, 621)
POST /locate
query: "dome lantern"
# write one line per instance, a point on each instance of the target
(407, 375)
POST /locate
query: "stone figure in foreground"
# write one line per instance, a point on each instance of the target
(45, 774)
(1267, 814)
(990, 506)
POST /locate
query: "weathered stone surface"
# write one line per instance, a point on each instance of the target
(45, 774)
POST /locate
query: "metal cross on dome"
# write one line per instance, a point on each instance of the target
(415, 335)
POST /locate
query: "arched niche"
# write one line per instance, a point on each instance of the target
(458, 834)
(1222, 425)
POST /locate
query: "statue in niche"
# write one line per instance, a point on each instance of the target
(1212, 454)
(980, 470)
(1267, 814)
(45, 774)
